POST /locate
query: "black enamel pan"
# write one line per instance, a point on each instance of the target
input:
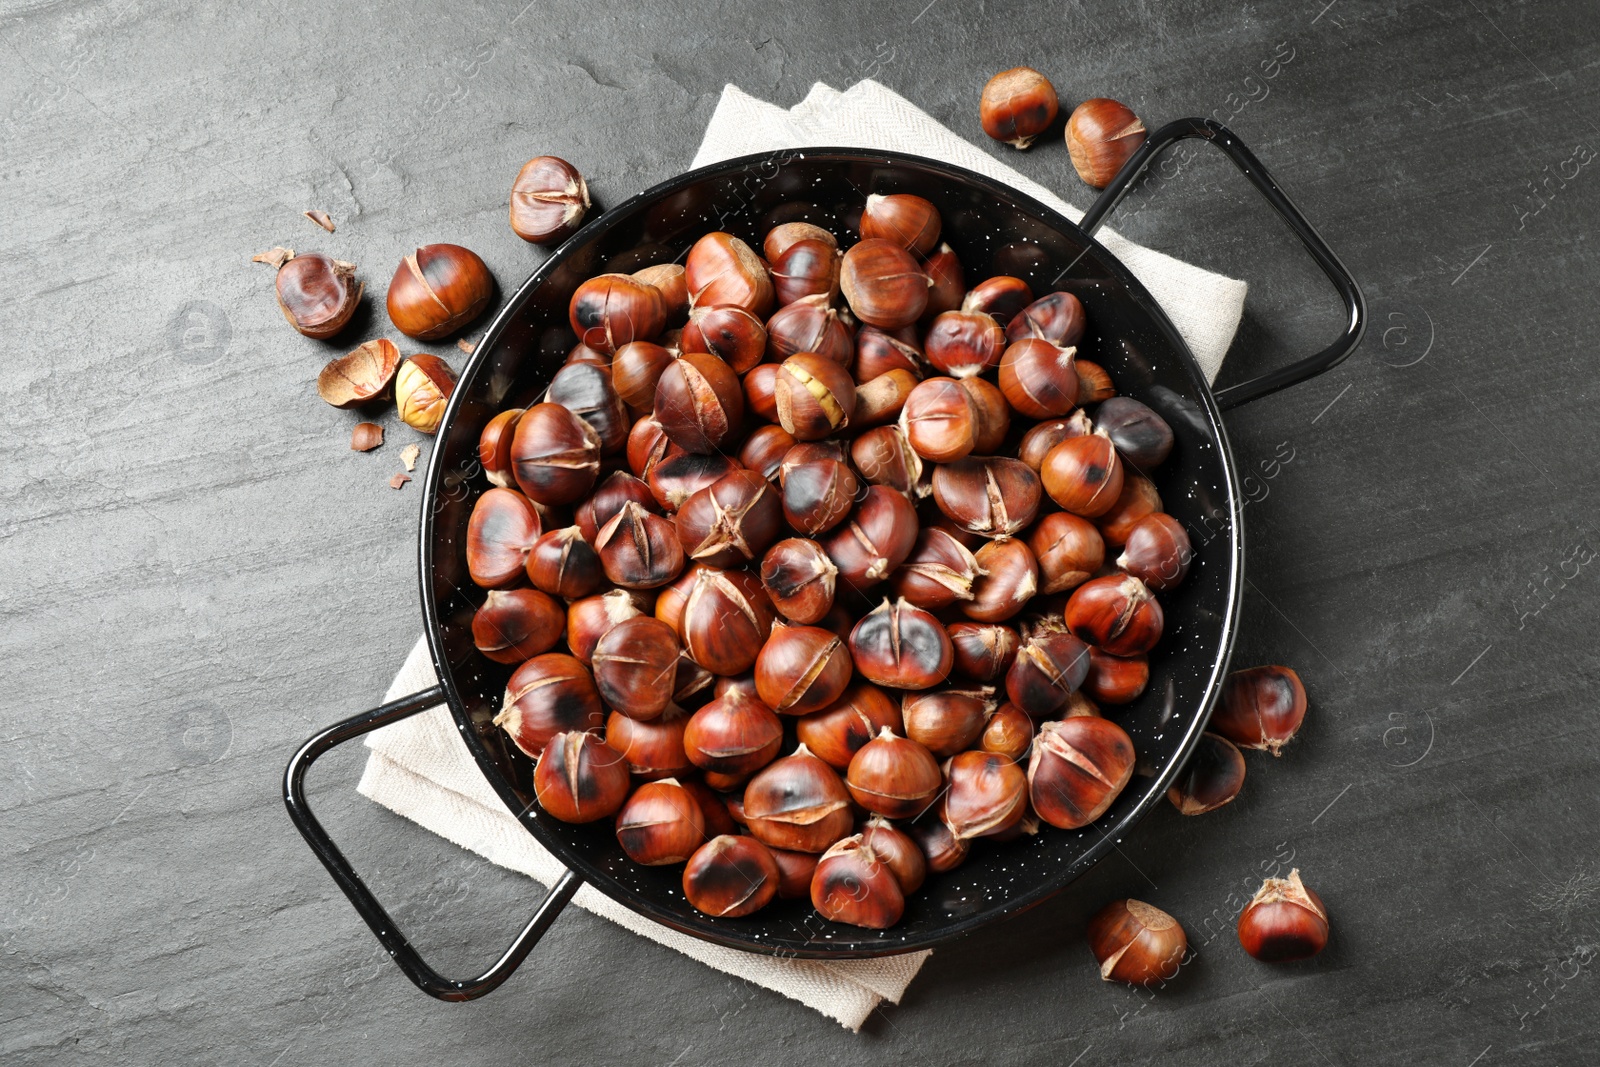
(994, 230)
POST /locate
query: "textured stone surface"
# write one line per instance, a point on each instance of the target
(198, 572)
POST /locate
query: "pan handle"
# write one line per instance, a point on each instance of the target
(1217, 134)
(425, 977)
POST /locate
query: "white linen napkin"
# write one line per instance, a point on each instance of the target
(419, 768)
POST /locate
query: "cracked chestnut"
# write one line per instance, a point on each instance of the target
(679, 475)
(731, 521)
(608, 498)
(1039, 379)
(1056, 317)
(1262, 708)
(1040, 439)
(987, 794)
(612, 310)
(514, 625)
(730, 877)
(635, 667)
(734, 735)
(726, 620)
(1136, 943)
(1010, 579)
(1047, 671)
(815, 396)
(764, 449)
(810, 324)
(836, 732)
(963, 344)
(589, 619)
(885, 457)
(639, 549)
(939, 572)
(1213, 776)
(801, 669)
(1009, 732)
(548, 695)
(880, 351)
(992, 497)
(877, 538)
(548, 200)
(797, 803)
(653, 748)
(799, 578)
(999, 297)
(901, 646)
(852, 884)
(1102, 135)
(494, 447)
(579, 778)
(1078, 767)
(940, 420)
(817, 494)
(437, 290)
(1138, 499)
(722, 269)
(883, 284)
(947, 721)
(1017, 105)
(660, 824)
(983, 650)
(1284, 921)
(729, 332)
(563, 564)
(501, 532)
(635, 369)
(1069, 551)
(808, 267)
(943, 849)
(699, 402)
(555, 456)
(1117, 613)
(781, 236)
(422, 388)
(318, 294)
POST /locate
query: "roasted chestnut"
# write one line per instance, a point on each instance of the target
(836, 732)
(880, 401)
(876, 539)
(939, 572)
(896, 848)
(817, 494)
(611, 310)
(1137, 500)
(987, 794)
(1083, 475)
(1142, 436)
(993, 497)
(1094, 383)
(653, 748)
(947, 721)
(514, 625)
(563, 564)
(729, 332)
(799, 578)
(502, 530)
(1010, 579)
(635, 370)
(1009, 732)
(422, 388)
(801, 669)
(660, 824)
(1069, 551)
(699, 402)
(880, 351)
(999, 297)
(555, 456)
(579, 778)
(692, 684)
(894, 776)
(1039, 379)
(1284, 921)
(1157, 551)
(548, 200)
(810, 324)
(901, 646)
(546, 696)
(815, 396)
(726, 620)
(1078, 767)
(1136, 943)
(1040, 439)
(1046, 672)
(671, 598)
(494, 447)
(1116, 679)
(943, 268)
(589, 619)
(760, 392)
(318, 294)
(1212, 777)
(1117, 613)
(1017, 105)
(730, 877)
(731, 521)
(635, 665)
(852, 884)
(601, 507)
(883, 284)
(780, 237)
(1055, 317)
(1262, 708)
(797, 803)
(993, 415)
(647, 445)
(638, 549)
(940, 420)
(678, 475)
(943, 849)
(735, 735)
(764, 449)
(668, 279)
(983, 650)
(964, 343)
(903, 218)
(437, 290)
(808, 267)
(885, 457)
(1102, 135)
(721, 269)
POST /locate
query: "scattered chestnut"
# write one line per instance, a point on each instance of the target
(894, 776)
(563, 564)
(653, 748)
(1046, 672)
(818, 494)
(660, 824)
(963, 344)
(635, 369)
(1094, 383)
(999, 297)
(1039, 379)
(876, 539)
(589, 619)
(1010, 579)
(1138, 499)
(548, 200)
(437, 290)
(1136, 943)
(1117, 613)
(815, 396)
(579, 778)
(1083, 475)
(883, 284)
(1055, 317)
(1101, 136)
(1041, 438)
(318, 294)
(940, 420)
(903, 218)
(360, 377)
(721, 269)
(1017, 105)
(993, 497)
(760, 392)
(731, 521)
(943, 268)
(780, 237)
(943, 849)
(1069, 551)
(1142, 436)
(946, 721)
(838, 731)
(736, 734)
(993, 414)
(852, 884)
(731, 877)
(1078, 767)
(880, 351)
(1009, 732)
(514, 625)
(731, 333)
(810, 324)
(940, 571)
(1212, 777)
(1157, 551)
(638, 549)
(987, 795)
(901, 646)
(422, 388)
(983, 650)
(799, 578)
(611, 310)
(1262, 708)
(726, 620)
(677, 476)
(548, 695)
(668, 280)
(797, 803)
(808, 267)
(1116, 679)
(1284, 921)
(555, 456)
(502, 530)
(801, 669)
(699, 402)
(608, 498)
(635, 664)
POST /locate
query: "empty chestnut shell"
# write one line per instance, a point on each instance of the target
(361, 376)
(437, 290)
(883, 284)
(1284, 921)
(801, 669)
(815, 396)
(563, 564)
(1117, 613)
(699, 402)
(1017, 105)
(987, 795)
(721, 269)
(1069, 551)
(612, 310)
(318, 294)
(903, 218)
(1136, 943)
(901, 646)
(1083, 475)
(729, 877)
(1010, 579)
(514, 625)
(638, 549)
(1046, 672)
(548, 695)
(797, 803)
(1262, 708)
(653, 748)
(548, 200)
(838, 731)
(729, 332)
(939, 572)
(1212, 777)
(1039, 379)
(726, 620)
(635, 665)
(736, 735)
(1142, 436)
(579, 778)
(947, 721)
(992, 497)
(964, 343)
(876, 539)
(1078, 767)
(852, 884)
(1116, 679)
(1102, 135)
(555, 456)
(799, 579)
(502, 530)
(731, 521)
(894, 776)
(983, 650)
(1157, 551)
(660, 824)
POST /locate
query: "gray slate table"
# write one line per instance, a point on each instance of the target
(198, 573)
